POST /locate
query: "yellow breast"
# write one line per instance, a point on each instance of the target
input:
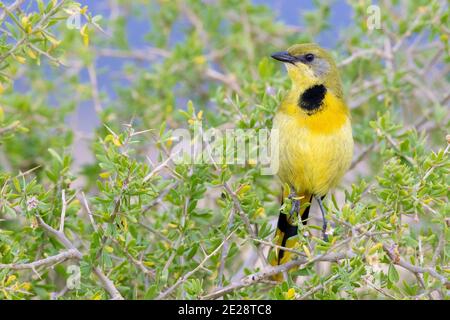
(314, 150)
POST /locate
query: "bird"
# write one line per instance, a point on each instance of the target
(315, 141)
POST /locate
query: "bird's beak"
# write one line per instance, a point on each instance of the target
(284, 56)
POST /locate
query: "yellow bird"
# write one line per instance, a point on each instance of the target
(315, 138)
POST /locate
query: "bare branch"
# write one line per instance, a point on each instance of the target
(95, 92)
(89, 212)
(108, 284)
(63, 210)
(380, 290)
(360, 54)
(11, 8)
(271, 271)
(60, 236)
(396, 259)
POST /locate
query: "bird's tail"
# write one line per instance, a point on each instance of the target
(286, 234)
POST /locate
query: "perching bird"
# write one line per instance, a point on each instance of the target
(315, 138)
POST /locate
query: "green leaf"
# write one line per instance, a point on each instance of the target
(17, 185)
(55, 155)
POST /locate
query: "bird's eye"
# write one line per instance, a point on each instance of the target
(309, 57)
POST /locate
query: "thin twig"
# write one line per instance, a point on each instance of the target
(376, 288)
(88, 210)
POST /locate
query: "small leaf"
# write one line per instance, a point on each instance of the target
(19, 59)
(17, 185)
(116, 141)
(85, 35)
(307, 252)
(109, 249)
(105, 175)
(31, 53)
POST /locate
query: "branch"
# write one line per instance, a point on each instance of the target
(359, 54)
(147, 54)
(63, 210)
(362, 155)
(276, 246)
(60, 236)
(94, 86)
(11, 8)
(108, 284)
(89, 212)
(160, 197)
(227, 79)
(439, 248)
(395, 146)
(49, 56)
(317, 288)
(9, 128)
(138, 263)
(376, 288)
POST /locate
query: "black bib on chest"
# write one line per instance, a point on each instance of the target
(312, 99)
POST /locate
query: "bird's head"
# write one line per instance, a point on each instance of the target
(308, 64)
